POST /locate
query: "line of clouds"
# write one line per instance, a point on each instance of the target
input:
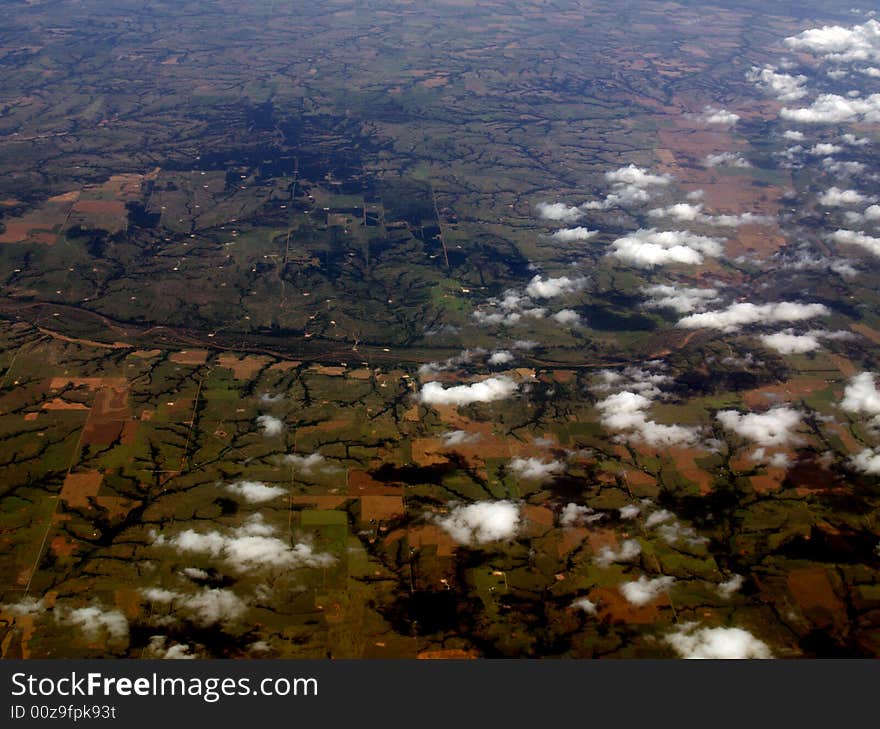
(491, 389)
(738, 315)
(251, 546)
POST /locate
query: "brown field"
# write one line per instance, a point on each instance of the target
(192, 357)
(79, 487)
(381, 508)
(244, 368)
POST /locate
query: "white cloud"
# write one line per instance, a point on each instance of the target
(255, 492)
(793, 135)
(535, 469)
(867, 461)
(855, 141)
(574, 515)
(270, 424)
(663, 516)
(630, 511)
(872, 212)
(689, 641)
(267, 398)
(834, 109)
(776, 427)
(731, 585)
(585, 604)
(824, 148)
(712, 115)
(160, 647)
(851, 237)
(483, 521)
(739, 315)
(630, 185)
(690, 213)
(727, 159)
(459, 437)
(547, 288)
(783, 86)
(205, 607)
(96, 623)
(566, 317)
(683, 300)
(25, 606)
(627, 552)
(248, 547)
(835, 197)
(843, 168)
(861, 395)
(789, 343)
(305, 464)
(637, 176)
(626, 411)
(500, 357)
(648, 247)
(489, 390)
(574, 235)
(559, 211)
(836, 43)
(642, 591)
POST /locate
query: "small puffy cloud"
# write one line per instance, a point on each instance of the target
(776, 427)
(861, 395)
(683, 300)
(96, 623)
(743, 314)
(488, 390)
(626, 552)
(270, 424)
(630, 185)
(836, 197)
(793, 134)
(255, 492)
(837, 43)
(727, 159)
(823, 149)
(637, 176)
(585, 604)
(574, 515)
(854, 141)
(731, 585)
(500, 357)
(630, 511)
(648, 247)
(872, 213)
(559, 211)
(546, 288)
(459, 437)
(789, 343)
(304, 464)
(160, 647)
(481, 522)
(834, 109)
(574, 235)
(783, 86)
(867, 461)
(722, 117)
(566, 317)
(535, 469)
(662, 516)
(851, 237)
(690, 641)
(644, 590)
